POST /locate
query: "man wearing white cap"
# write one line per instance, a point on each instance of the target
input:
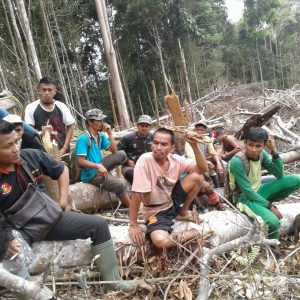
(95, 168)
(135, 144)
(27, 140)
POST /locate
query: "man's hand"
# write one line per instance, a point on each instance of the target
(102, 170)
(271, 143)
(130, 163)
(276, 212)
(222, 155)
(220, 169)
(189, 137)
(62, 151)
(47, 128)
(13, 248)
(137, 235)
(107, 128)
(210, 165)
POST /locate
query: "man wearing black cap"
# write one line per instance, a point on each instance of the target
(88, 152)
(135, 144)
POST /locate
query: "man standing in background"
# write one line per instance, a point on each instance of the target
(48, 112)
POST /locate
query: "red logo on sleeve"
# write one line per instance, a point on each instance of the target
(5, 188)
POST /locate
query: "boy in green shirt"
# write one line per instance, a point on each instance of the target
(253, 198)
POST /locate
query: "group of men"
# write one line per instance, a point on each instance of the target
(165, 183)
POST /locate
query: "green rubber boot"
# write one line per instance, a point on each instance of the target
(108, 266)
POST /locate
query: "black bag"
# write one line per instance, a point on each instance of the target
(34, 212)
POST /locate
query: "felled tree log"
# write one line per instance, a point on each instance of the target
(227, 226)
(83, 196)
(291, 156)
(24, 287)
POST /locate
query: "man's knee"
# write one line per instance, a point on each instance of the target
(192, 180)
(115, 185)
(99, 229)
(296, 180)
(121, 157)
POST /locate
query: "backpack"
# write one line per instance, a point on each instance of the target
(74, 168)
(228, 193)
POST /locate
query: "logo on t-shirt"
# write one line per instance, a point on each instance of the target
(5, 188)
(164, 184)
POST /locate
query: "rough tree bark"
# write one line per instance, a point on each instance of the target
(112, 63)
(31, 46)
(187, 82)
(21, 48)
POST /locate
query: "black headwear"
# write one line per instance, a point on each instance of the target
(256, 134)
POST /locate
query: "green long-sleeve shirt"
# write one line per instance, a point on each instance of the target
(250, 183)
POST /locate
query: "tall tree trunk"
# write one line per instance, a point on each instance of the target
(116, 123)
(253, 71)
(2, 80)
(31, 46)
(273, 65)
(56, 62)
(81, 77)
(281, 66)
(125, 83)
(11, 37)
(259, 64)
(158, 45)
(112, 63)
(187, 82)
(21, 49)
(155, 101)
(140, 102)
(65, 78)
(77, 58)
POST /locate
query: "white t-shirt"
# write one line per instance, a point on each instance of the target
(30, 109)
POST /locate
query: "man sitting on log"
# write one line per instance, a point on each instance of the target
(135, 144)
(88, 152)
(215, 167)
(27, 140)
(252, 197)
(18, 169)
(27, 128)
(230, 145)
(157, 185)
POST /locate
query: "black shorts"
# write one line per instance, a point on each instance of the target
(164, 219)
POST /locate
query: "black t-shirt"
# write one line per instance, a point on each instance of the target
(53, 118)
(13, 184)
(135, 146)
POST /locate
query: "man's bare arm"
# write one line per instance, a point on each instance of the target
(199, 156)
(136, 233)
(63, 184)
(69, 135)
